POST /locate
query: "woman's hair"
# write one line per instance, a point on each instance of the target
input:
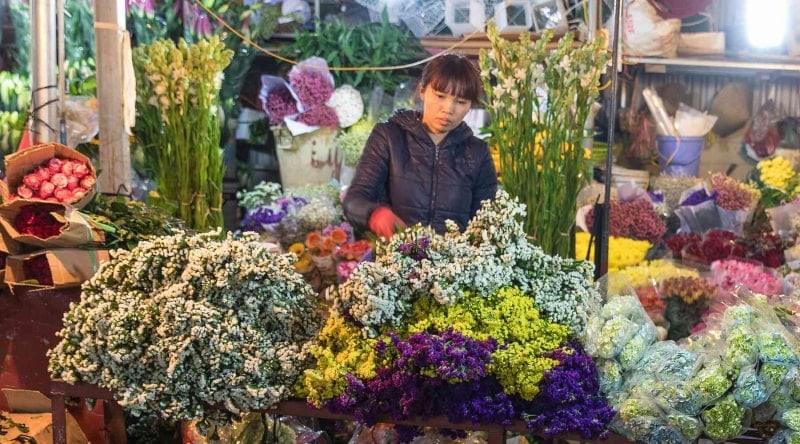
(453, 74)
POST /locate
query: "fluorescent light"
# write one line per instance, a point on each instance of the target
(766, 22)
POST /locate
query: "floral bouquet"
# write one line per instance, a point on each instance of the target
(686, 300)
(635, 219)
(730, 274)
(191, 327)
(622, 252)
(309, 100)
(477, 326)
(49, 225)
(727, 205)
(777, 180)
(767, 248)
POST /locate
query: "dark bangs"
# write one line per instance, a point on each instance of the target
(453, 74)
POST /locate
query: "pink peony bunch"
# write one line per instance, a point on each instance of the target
(57, 180)
(635, 219)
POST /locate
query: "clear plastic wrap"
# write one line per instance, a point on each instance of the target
(725, 419)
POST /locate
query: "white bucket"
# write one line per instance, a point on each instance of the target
(308, 159)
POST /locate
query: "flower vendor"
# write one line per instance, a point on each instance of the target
(425, 167)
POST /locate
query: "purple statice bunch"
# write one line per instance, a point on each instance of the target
(429, 375)
(257, 219)
(569, 397)
(416, 249)
(312, 86)
(280, 103)
(270, 215)
(320, 115)
(449, 355)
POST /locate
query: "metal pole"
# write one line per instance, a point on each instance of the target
(62, 75)
(44, 87)
(601, 231)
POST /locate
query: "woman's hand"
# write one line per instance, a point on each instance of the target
(384, 222)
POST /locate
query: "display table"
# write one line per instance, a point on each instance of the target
(496, 434)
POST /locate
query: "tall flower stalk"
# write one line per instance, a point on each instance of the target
(538, 100)
(177, 101)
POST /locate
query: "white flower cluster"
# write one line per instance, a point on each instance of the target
(492, 253)
(348, 104)
(186, 323)
(265, 193)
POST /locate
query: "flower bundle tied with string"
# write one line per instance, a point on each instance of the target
(177, 104)
(538, 100)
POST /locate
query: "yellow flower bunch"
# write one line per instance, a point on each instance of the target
(340, 349)
(510, 317)
(646, 273)
(622, 252)
(777, 172)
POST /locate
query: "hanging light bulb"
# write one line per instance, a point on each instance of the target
(766, 22)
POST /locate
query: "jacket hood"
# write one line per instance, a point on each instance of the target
(411, 121)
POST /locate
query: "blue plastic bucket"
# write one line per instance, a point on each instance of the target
(680, 156)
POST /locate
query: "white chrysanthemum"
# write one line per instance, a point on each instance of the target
(347, 103)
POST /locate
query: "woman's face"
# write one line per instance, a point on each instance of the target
(442, 112)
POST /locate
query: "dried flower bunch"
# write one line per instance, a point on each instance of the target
(635, 219)
(187, 325)
(732, 194)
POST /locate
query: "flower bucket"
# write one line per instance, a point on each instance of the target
(680, 156)
(307, 159)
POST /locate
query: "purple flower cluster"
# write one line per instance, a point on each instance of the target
(416, 249)
(280, 103)
(320, 115)
(429, 375)
(267, 215)
(569, 397)
(445, 374)
(312, 86)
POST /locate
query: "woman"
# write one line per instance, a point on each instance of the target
(425, 167)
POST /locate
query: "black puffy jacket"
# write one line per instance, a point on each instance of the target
(403, 169)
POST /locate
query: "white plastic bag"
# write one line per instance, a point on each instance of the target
(645, 33)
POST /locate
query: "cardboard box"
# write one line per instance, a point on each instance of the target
(69, 267)
(33, 409)
(77, 229)
(20, 163)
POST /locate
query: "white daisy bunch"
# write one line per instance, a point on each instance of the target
(492, 253)
(186, 322)
(348, 104)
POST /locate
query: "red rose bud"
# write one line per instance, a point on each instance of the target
(78, 193)
(42, 173)
(72, 182)
(88, 182)
(46, 189)
(24, 192)
(32, 181)
(59, 180)
(80, 170)
(68, 167)
(54, 165)
(63, 195)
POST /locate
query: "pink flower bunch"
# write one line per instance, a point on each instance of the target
(319, 116)
(312, 86)
(344, 269)
(636, 219)
(280, 103)
(731, 273)
(57, 180)
(732, 194)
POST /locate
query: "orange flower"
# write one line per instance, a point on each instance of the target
(297, 248)
(339, 236)
(327, 245)
(313, 239)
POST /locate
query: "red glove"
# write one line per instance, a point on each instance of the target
(384, 222)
